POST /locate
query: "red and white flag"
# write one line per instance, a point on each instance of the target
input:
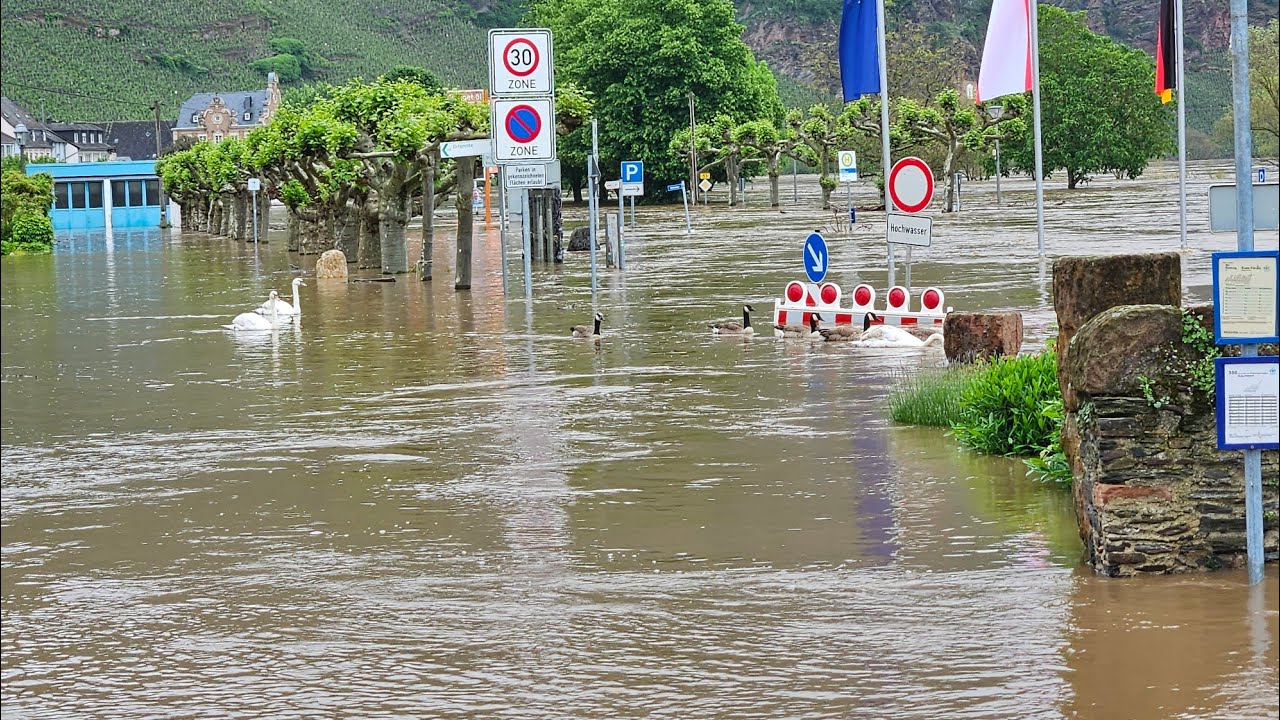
(1006, 55)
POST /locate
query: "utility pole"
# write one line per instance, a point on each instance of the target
(164, 201)
(693, 151)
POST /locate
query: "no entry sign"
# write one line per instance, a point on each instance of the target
(910, 185)
(523, 130)
(520, 63)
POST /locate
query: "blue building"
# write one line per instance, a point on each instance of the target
(101, 195)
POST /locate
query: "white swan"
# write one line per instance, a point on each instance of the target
(890, 336)
(253, 322)
(284, 310)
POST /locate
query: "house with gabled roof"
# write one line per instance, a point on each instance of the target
(219, 115)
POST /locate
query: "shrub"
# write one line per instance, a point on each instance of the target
(24, 211)
(931, 397)
(1002, 408)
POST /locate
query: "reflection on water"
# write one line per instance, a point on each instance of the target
(418, 502)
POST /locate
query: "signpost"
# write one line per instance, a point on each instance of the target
(684, 195)
(526, 176)
(914, 230)
(910, 189)
(848, 166)
(466, 148)
(816, 259)
(254, 186)
(520, 63)
(1222, 207)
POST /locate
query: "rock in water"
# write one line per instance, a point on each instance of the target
(580, 240)
(332, 264)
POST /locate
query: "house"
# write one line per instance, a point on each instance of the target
(97, 195)
(136, 139)
(79, 142)
(216, 116)
(38, 140)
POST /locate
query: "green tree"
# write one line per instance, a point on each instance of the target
(1099, 113)
(1264, 95)
(24, 212)
(284, 65)
(416, 75)
(639, 60)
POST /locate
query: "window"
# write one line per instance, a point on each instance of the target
(135, 193)
(117, 193)
(99, 138)
(153, 191)
(217, 137)
(95, 194)
(77, 195)
(248, 115)
(61, 196)
(195, 118)
(217, 119)
(202, 137)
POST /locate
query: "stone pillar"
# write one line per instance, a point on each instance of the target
(972, 336)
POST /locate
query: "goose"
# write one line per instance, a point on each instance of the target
(848, 333)
(284, 310)
(798, 331)
(733, 327)
(582, 331)
(252, 321)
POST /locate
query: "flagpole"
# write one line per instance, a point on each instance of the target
(1182, 130)
(1035, 101)
(884, 131)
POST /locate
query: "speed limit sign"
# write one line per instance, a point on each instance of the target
(520, 63)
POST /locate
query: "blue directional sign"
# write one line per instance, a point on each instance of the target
(675, 187)
(633, 171)
(816, 259)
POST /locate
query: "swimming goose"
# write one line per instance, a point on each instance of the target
(798, 331)
(733, 327)
(582, 331)
(847, 333)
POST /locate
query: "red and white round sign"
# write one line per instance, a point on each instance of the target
(910, 185)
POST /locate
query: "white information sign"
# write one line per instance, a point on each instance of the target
(632, 188)
(848, 166)
(524, 130)
(465, 148)
(520, 63)
(526, 176)
(910, 230)
(1245, 301)
(1248, 402)
(704, 185)
(254, 184)
(1222, 207)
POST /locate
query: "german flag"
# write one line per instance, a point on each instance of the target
(1166, 53)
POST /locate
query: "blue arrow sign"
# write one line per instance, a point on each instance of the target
(632, 171)
(677, 186)
(815, 258)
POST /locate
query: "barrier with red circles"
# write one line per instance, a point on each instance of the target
(800, 300)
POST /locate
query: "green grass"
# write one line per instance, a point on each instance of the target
(930, 397)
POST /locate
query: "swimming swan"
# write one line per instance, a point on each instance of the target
(253, 322)
(284, 310)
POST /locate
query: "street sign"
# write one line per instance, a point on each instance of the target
(816, 258)
(526, 176)
(704, 176)
(631, 190)
(520, 63)
(1262, 175)
(676, 187)
(465, 148)
(612, 184)
(910, 185)
(1222, 207)
(254, 185)
(633, 171)
(705, 185)
(848, 166)
(523, 130)
(910, 229)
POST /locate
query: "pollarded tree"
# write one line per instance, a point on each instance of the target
(764, 139)
(1098, 112)
(640, 59)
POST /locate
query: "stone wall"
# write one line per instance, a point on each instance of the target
(1153, 494)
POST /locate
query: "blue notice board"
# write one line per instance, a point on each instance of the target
(1246, 301)
(1248, 400)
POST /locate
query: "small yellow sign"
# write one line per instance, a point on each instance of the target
(704, 176)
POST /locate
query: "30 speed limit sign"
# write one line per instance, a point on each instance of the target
(520, 63)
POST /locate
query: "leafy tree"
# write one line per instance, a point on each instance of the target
(640, 59)
(24, 212)
(416, 75)
(1098, 111)
(285, 66)
(1264, 94)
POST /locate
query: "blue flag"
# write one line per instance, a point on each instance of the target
(859, 58)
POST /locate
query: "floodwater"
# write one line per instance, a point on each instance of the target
(424, 503)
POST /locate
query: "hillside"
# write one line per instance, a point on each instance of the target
(115, 58)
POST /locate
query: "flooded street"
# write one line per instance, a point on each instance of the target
(427, 503)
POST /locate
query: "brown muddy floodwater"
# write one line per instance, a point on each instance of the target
(422, 503)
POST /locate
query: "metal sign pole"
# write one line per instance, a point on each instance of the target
(502, 223)
(528, 251)
(254, 199)
(593, 220)
(622, 221)
(633, 211)
(688, 223)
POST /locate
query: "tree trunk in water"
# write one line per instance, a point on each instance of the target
(1072, 179)
(393, 216)
(577, 184)
(264, 211)
(369, 249)
(731, 172)
(773, 182)
(824, 161)
(548, 228)
(428, 218)
(291, 244)
(310, 230)
(346, 230)
(228, 215)
(949, 174)
(462, 263)
(557, 225)
(216, 218)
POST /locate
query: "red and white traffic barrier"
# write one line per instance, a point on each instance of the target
(800, 300)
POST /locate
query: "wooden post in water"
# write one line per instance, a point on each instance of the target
(466, 188)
